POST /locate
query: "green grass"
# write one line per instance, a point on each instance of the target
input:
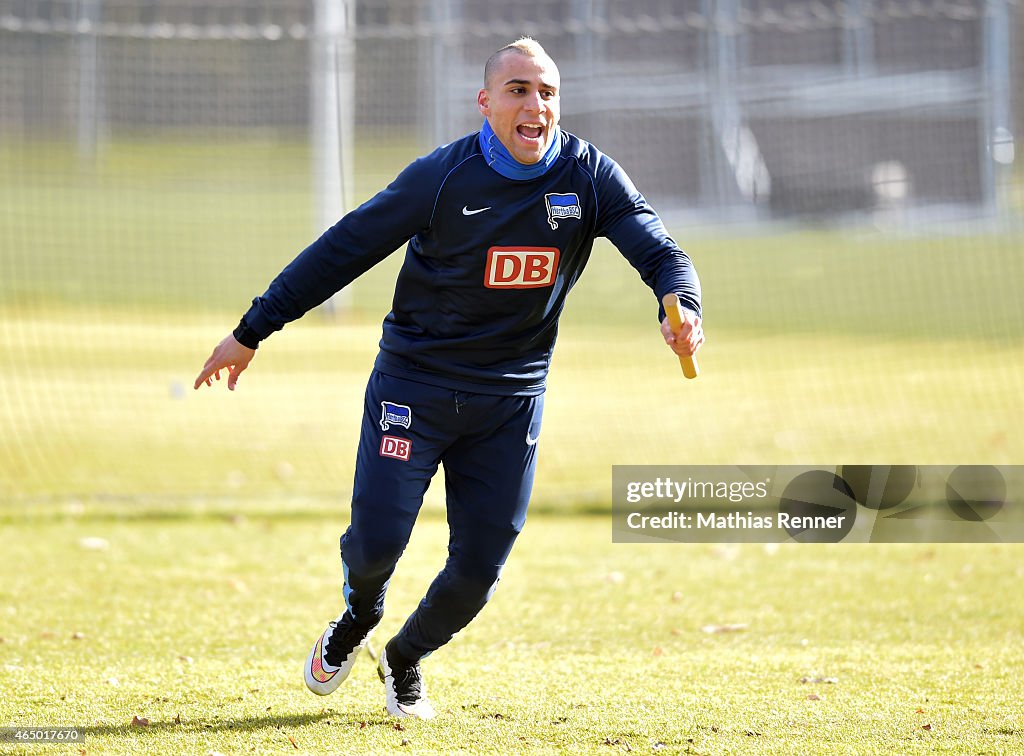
(202, 226)
(825, 347)
(187, 224)
(104, 408)
(199, 621)
(222, 511)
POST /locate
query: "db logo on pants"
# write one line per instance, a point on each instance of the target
(396, 448)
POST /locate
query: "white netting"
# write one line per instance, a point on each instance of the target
(161, 160)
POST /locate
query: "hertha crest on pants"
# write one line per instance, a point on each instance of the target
(395, 414)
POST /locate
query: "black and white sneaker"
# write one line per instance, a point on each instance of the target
(334, 654)
(404, 689)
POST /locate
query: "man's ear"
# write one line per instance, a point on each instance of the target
(483, 103)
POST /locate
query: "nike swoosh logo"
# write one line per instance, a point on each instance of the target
(320, 674)
(467, 211)
(531, 441)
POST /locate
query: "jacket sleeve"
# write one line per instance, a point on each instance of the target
(631, 224)
(357, 242)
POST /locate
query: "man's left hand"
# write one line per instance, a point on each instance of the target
(690, 336)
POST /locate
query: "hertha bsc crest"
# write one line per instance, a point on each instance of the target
(562, 206)
(394, 414)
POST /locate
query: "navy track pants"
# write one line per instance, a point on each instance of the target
(487, 445)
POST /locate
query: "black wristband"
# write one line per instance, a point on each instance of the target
(245, 336)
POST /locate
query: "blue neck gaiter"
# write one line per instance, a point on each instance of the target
(501, 160)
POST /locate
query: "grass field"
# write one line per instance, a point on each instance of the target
(220, 512)
(116, 281)
(200, 625)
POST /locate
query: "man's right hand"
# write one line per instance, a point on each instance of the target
(229, 355)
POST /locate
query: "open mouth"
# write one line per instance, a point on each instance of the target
(530, 131)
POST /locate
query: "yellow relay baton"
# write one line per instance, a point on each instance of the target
(674, 312)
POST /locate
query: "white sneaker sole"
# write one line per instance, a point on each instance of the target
(323, 679)
(422, 709)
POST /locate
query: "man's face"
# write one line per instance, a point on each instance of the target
(520, 100)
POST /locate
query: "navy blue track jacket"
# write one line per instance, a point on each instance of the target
(488, 265)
